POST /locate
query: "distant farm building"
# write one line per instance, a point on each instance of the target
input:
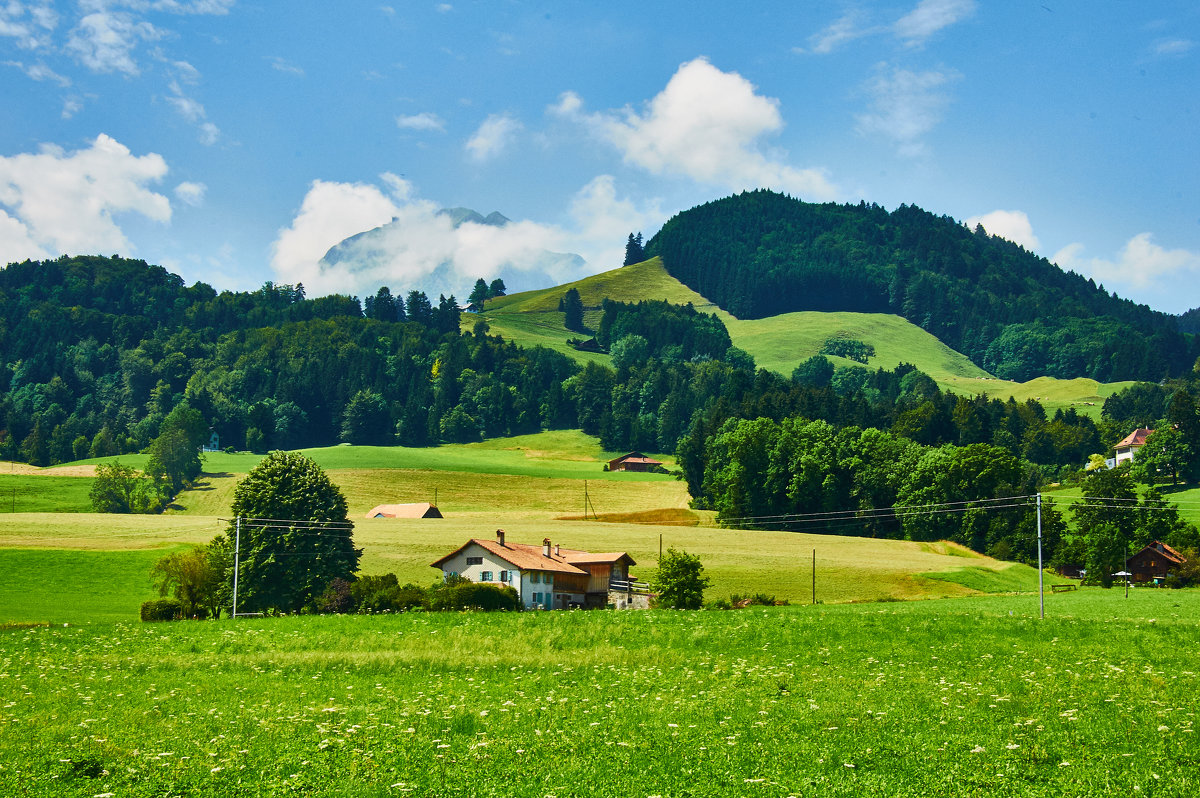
(548, 577)
(1154, 563)
(1129, 445)
(417, 510)
(634, 461)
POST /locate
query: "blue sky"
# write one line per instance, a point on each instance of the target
(234, 142)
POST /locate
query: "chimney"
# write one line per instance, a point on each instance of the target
(557, 550)
(500, 536)
(545, 547)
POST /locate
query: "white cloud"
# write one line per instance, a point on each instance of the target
(423, 241)
(845, 29)
(1013, 225)
(40, 72)
(705, 125)
(192, 111)
(443, 8)
(1141, 267)
(329, 213)
(191, 193)
(71, 106)
(16, 242)
(1173, 47)
(492, 137)
(905, 106)
(66, 202)
(929, 17)
(421, 121)
(28, 23)
(104, 41)
(280, 64)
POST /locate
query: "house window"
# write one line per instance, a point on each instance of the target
(537, 598)
(474, 561)
(486, 576)
(504, 576)
(534, 577)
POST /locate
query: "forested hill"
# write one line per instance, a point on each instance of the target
(1015, 314)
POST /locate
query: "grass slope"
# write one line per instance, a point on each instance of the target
(954, 698)
(778, 343)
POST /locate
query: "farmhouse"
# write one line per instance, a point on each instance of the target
(1154, 562)
(548, 577)
(415, 510)
(634, 461)
(1130, 444)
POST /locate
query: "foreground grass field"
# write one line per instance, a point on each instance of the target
(958, 697)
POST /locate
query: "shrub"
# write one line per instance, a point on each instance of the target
(336, 599)
(475, 596)
(167, 609)
(679, 581)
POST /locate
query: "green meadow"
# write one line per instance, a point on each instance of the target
(533, 487)
(960, 697)
(778, 343)
(25, 493)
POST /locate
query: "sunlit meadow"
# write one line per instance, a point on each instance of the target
(947, 697)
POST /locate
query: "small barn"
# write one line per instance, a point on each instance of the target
(634, 461)
(1154, 562)
(415, 510)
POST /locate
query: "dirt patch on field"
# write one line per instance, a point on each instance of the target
(24, 469)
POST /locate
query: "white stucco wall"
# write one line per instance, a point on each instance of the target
(519, 580)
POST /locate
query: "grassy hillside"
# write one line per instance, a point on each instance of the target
(952, 698)
(781, 342)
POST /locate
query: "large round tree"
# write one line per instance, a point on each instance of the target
(295, 536)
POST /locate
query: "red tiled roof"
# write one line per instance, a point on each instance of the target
(522, 556)
(1135, 438)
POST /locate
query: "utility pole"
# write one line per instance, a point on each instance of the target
(237, 548)
(1041, 592)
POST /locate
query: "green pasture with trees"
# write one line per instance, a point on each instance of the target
(957, 697)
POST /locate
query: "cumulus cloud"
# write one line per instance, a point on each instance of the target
(492, 137)
(705, 125)
(1013, 225)
(929, 17)
(421, 121)
(415, 240)
(191, 193)
(1142, 270)
(56, 202)
(905, 106)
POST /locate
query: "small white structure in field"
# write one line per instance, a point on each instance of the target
(546, 576)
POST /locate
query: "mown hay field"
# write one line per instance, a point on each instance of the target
(960, 697)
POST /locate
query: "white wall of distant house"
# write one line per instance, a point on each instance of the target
(533, 594)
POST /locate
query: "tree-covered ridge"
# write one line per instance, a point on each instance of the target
(760, 254)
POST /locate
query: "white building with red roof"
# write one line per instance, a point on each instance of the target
(547, 576)
(1129, 445)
